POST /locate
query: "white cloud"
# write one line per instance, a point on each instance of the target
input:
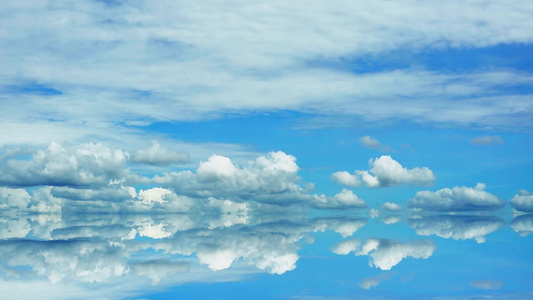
(384, 172)
(385, 254)
(344, 199)
(456, 227)
(390, 206)
(487, 140)
(81, 165)
(156, 56)
(523, 224)
(369, 142)
(391, 219)
(456, 199)
(371, 282)
(523, 201)
(346, 179)
(158, 269)
(157, 155)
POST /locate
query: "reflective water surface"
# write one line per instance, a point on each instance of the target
(228, 256)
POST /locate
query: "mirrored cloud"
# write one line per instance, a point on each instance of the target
(523, 201)
(456, 199)
(385, 254)
(456, 227)
(523, 224)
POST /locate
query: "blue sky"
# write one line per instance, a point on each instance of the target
(241, 109)
(131, 91)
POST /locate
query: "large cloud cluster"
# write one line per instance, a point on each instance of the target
(83, 165)
(456, 199)
(385, 171)
(96, 178)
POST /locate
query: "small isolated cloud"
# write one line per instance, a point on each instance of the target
(371, 282)
(391, 219)
(159, 156)
(487, 284)
(392, 207)
(385, 172)
(456, 199)
(159, 269)
(487, 140)
(372, 143)
(523, 201)
(386, 254)
(345, 198)
(373, 213)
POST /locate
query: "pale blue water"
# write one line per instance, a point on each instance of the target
(265, 257)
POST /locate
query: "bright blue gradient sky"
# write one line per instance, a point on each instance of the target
(266, 148)
(121, 106)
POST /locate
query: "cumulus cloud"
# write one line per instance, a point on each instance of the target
(523, 225)
(392, 207)
(487, 140)
(456, 227)
(58, 165)
(159, 156)
(456, 199)
(384, 172)
(385, 254)
(523, 201)
(346, 179)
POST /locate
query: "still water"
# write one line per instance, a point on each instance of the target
(301, 256)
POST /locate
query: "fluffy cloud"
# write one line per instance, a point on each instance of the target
(523, 224)
(393, 207)
(157, 155)
(81, 165)
(487, 140)
(346, 179)
(385, 254)
(344, 199)
(523, 201)
(384, 172)
(95, 178)
(456, 227)
(456, 199)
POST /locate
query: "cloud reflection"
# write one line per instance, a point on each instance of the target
(456, 227)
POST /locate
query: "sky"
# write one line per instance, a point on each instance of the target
(310, 106)
(264, 108)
